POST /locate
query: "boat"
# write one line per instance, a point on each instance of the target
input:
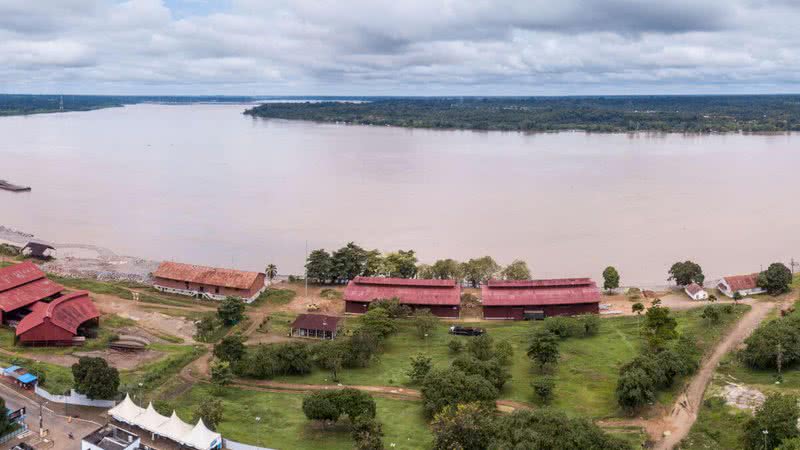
(13, 187)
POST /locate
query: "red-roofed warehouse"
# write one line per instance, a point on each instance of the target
(57, 322)
(441, 297)
(539, 298)
(208, 282)
(22, 285)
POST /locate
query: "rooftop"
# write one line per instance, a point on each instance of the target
(212, 276)
(741, 282)
(23, 284)
(408, 291)
(68, 312)
(540, 292)
(110, 437)
(316, 322)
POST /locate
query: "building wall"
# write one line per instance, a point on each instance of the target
(518, 312)
(355, 307)
(451, 312)
(46, 332)
(217, 290)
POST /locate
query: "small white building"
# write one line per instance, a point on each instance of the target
(743, 284)
(696, 292)
(110, 437)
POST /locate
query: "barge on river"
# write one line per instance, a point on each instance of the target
(13, 187)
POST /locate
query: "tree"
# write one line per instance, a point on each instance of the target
(331, 355)
(455, 346)
(448, 387)
(660, 326)
(517, 270)
(331, 405)
(231, 348)
(737, 297)
(686, 273)
(392, 307)
(591, 324)
(319, 266)
(637, 308)
(544, 388)
(421, 365)
(544, 348)
(210, 411)
(610, 278)
(635, 388)
(762, 347)
(348, 262)
(711, 313)
(425, 272)
(491, 370)
(95, 378)
(776, 279)
(447, 269)
(789, 444)
(231, 311)
(480, 270)
(320, 406)
(481, 347)
(5, 424)
(504, 352)
(424, 322)
(291, 358)
(221, 374)
(205, 327)
(378, 323)
(374, 264)
(271, 271)
(361, 348)
(401, 264)
(778, 416)
(546, 429)
(467, 426)
(367, 434)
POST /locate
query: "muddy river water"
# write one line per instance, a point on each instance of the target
(206, 184)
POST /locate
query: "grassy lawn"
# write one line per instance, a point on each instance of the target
(274, 296)
(718, 427)
(283, 425)
(586, 375)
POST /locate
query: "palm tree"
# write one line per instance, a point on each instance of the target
(271, 271)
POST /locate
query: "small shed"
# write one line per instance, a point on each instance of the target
(696, 292)
(316, 326)
(39, 250)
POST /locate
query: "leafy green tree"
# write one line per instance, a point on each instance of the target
(762, 347)
(320, 406)
(205, 327)
(776, 279)
(467, 426)
(221, 374)
(789, 444)
(544, 348)
(5, 424)
(94, 378)
(392, 307)
(480, 270)
(367, 434)
(610, 278)
(421, 365)
(319, 266)
(778, 416)
(271, 271)
(686, 273)
(591, 324)
(504, 352)
(378, 322)
(231, 311)
(231, 348)
(374, 264)
(401, 264)
(660, 326)
(292, 358)
(348, 262)
(635, 388)
(424, 322)
(517, 270)
(448, 387)
(331, 355)
(447, 269)
(490, 370)
(211, 411)
(455, 346)
(563, 326)
(481, 347)
(362, 347)
(638, 309)
(544, 388)
(548, 429)
(425, 272)
(711, 313)
(331, 405)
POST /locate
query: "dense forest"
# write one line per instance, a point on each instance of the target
(683, 114)
(12, 104)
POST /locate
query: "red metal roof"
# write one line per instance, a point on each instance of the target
(741, 282)
(540, 292)
(693, 288)
(212, 276)
(316, 322)
(24, 284)
(67, 312)
(408, 291)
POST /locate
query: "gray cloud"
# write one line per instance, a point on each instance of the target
(400, 47)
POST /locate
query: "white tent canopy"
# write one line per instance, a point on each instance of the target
(197, 436)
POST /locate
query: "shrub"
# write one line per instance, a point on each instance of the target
(635, 389)
(490, 370)
(591, 324)
(455, 346)
(504, 353)
(481, 347)
(563, 327)
(421, 365)
(464, 427)
(392, 307)
(778, 415)
(544, 348)
(544, 388)
(443, 388)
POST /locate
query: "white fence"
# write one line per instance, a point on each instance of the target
(74, 399)
(232, 445)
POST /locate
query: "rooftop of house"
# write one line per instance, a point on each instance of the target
(110, 437)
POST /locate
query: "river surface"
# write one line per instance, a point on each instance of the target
(208, 185)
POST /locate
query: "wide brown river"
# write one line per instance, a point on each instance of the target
(208, 185)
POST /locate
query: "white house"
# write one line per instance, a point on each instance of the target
(696, 292)
(743, 284)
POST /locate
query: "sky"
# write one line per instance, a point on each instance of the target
(399, 47)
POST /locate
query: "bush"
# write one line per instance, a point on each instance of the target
(544, 348)
(447, 387)
(455, 346)
(421, 365)
(591, 324)
(331, 405)
(563, 326)
(711, 313)
(378, 322)
(549, 429)
(464, 427)
(367, 434)
(491, 370)
(504, 353)
(779, 415)
(267, 361)
(544, 388)
(481, 347)
(392, 307)
(635, 389)
(761, 351)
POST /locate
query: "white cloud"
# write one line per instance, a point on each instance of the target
(400, 47)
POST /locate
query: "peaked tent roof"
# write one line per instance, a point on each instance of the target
(540, 292)
(151, 420)
(201, 437)
(67, 312)
(230, 278)
(126, 411)
(175, 428)
(741, 282)
(408, 291)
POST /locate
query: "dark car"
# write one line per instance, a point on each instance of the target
(467, 331)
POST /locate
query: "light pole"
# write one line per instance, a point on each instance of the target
(765, 432)
(258, 431)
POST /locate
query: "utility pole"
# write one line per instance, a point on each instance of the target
(792, 264)
(305, 277)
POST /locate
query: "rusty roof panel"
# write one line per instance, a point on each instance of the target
(67, 312)
(316, 322)
(742, 282)
(19, 274)
(540, 292)
(408, 291)
(212, 276)
(28, 294)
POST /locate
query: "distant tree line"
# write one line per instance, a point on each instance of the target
(20, 104)
(350, 261)
(683, 114)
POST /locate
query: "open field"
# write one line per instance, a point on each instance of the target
(284, 426)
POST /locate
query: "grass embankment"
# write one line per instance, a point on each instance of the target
(284, 426)
(586, 375)
(274, 296)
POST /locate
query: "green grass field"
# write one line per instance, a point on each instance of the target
(718, 427)
(586, 375)
(283, 425)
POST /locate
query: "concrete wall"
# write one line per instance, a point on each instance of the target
(450, 312)
(74, 399)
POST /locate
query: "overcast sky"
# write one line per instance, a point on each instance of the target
(400, 47)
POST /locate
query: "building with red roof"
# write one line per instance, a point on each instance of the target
(208, 282)
(518, 300)
(57, 322)
(743, 284)
(316, 326)
(22, 285)
(441, 297)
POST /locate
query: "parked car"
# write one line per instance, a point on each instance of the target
(466, 331)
